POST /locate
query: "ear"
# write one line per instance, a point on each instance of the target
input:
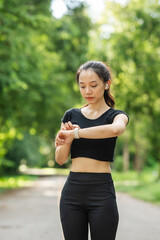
(109, 83)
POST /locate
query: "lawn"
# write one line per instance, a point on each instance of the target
(15, 182)
(144, 186)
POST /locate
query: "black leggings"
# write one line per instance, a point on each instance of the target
(89, 198)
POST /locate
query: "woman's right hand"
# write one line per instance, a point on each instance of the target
(69, 126)
(65, 126)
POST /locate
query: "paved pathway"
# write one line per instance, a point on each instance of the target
(32, 214)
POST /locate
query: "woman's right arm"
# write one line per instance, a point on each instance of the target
(63, 149)
(62, 153)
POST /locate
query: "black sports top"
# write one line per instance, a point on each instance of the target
(99, 149)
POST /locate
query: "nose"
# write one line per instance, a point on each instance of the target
(88, 89)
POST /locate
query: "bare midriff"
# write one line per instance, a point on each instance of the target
(82, 164)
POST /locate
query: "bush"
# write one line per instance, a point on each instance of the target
(118, 163)
(26, 150)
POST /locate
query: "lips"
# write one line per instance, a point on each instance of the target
(89, 98)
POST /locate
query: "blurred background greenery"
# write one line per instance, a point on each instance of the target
(39, 56)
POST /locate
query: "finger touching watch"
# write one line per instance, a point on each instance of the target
(76, 133)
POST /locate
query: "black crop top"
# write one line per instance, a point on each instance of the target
(99, 149)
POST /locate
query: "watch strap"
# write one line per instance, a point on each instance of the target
(76, 133)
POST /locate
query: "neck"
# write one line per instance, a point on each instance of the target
(96, 107)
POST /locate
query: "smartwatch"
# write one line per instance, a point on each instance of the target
(76, 133)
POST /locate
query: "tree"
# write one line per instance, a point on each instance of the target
(133, 51)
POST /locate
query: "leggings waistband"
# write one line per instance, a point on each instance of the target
(89, 177)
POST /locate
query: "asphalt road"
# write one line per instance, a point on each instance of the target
(32, 213)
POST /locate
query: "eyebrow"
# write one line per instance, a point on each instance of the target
(90, 82)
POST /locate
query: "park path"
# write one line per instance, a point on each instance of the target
(32, 214)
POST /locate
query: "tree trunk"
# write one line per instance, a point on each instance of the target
(125, 156)
(137, 162)
(137, 158)
(159, 172)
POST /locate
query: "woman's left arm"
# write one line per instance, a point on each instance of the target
(106, 131)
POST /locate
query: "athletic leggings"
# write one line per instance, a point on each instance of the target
(89, 199)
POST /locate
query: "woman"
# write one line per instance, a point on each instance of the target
(89, 133)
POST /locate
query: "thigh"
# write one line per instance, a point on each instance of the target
(104, 216)
(74, 218)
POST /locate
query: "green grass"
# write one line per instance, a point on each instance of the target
(15, 182)
(144, 186)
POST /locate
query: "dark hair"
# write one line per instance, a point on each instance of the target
(104, 73)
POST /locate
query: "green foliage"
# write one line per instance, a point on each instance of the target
(143, 186)
(132, 50)
(151, 161)
(39, 56)
(31, 151)
(15, 181)
(118, 163)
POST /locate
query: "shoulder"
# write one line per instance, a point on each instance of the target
(114, 112)
(71, 111)
(68, 114)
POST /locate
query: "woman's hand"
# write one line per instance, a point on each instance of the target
(67, 126)
(58, 141)
(66, 136)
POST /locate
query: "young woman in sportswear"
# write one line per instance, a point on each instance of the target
(89, 133)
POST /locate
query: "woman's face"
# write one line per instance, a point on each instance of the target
(91, 86)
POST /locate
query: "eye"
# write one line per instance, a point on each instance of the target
(91, 86)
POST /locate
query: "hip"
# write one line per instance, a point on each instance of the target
(88, 186)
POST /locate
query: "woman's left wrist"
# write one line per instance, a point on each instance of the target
(76, 133)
